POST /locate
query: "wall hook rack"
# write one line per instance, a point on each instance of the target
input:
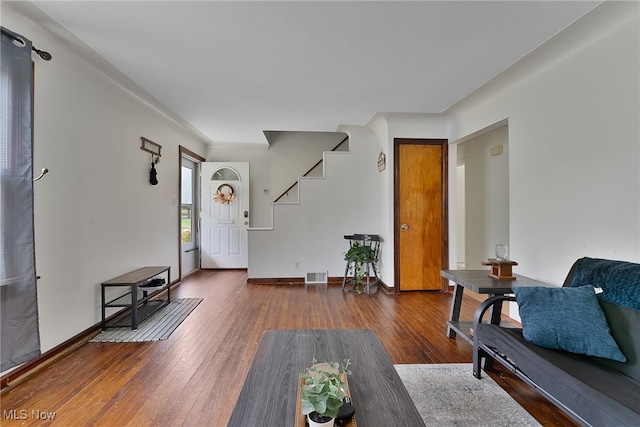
(151, 147)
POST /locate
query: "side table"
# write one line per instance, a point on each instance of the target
(480, 282)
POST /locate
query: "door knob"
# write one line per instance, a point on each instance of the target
(246, 214)
(404, 226)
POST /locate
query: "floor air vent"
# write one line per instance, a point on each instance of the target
(315, 277)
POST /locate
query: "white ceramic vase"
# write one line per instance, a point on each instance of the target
(312, 423)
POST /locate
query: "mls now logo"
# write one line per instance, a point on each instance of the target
(23, 414)
(14, 414)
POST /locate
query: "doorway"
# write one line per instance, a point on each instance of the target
(420, 222)
(483, 196)
(225, 215)
(188, 215)
(461, 216)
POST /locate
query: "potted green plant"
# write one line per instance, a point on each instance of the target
(323, 391)
(356, 256)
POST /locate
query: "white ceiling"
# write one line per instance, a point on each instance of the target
(235, 69)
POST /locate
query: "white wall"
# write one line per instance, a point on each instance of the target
(353, 197)
(346, 201)
(292, 154)
(574, 143)
(96, 215)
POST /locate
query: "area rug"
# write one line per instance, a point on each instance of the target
(449, 395)
(156, 327)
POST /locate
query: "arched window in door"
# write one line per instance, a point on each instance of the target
(225, 174)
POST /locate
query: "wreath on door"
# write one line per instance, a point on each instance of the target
(224, 197)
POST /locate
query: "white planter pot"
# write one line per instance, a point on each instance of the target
(312, 423)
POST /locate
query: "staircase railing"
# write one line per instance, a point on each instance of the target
(309, 171)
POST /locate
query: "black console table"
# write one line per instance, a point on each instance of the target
(143, 279)
(480, 282)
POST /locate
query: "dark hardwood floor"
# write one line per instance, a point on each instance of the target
(194, 377)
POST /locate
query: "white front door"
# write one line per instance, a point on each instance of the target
(224, 215)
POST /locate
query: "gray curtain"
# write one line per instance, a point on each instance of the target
(19, 333)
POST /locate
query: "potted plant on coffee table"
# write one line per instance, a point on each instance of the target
(323, 391)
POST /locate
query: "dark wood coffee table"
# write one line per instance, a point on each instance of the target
(269, 394)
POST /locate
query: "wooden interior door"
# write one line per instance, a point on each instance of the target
(421, 228)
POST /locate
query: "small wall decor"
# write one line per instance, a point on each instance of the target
(153, 174)
(150, 147)
(382, 161)
(224, 197)
(155, 150)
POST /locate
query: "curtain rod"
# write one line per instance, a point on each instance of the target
(41, 53)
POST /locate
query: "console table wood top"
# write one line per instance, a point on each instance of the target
(268, 396)
(480, 282)
(136, 276)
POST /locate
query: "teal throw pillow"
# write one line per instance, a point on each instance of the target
(568, 319)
